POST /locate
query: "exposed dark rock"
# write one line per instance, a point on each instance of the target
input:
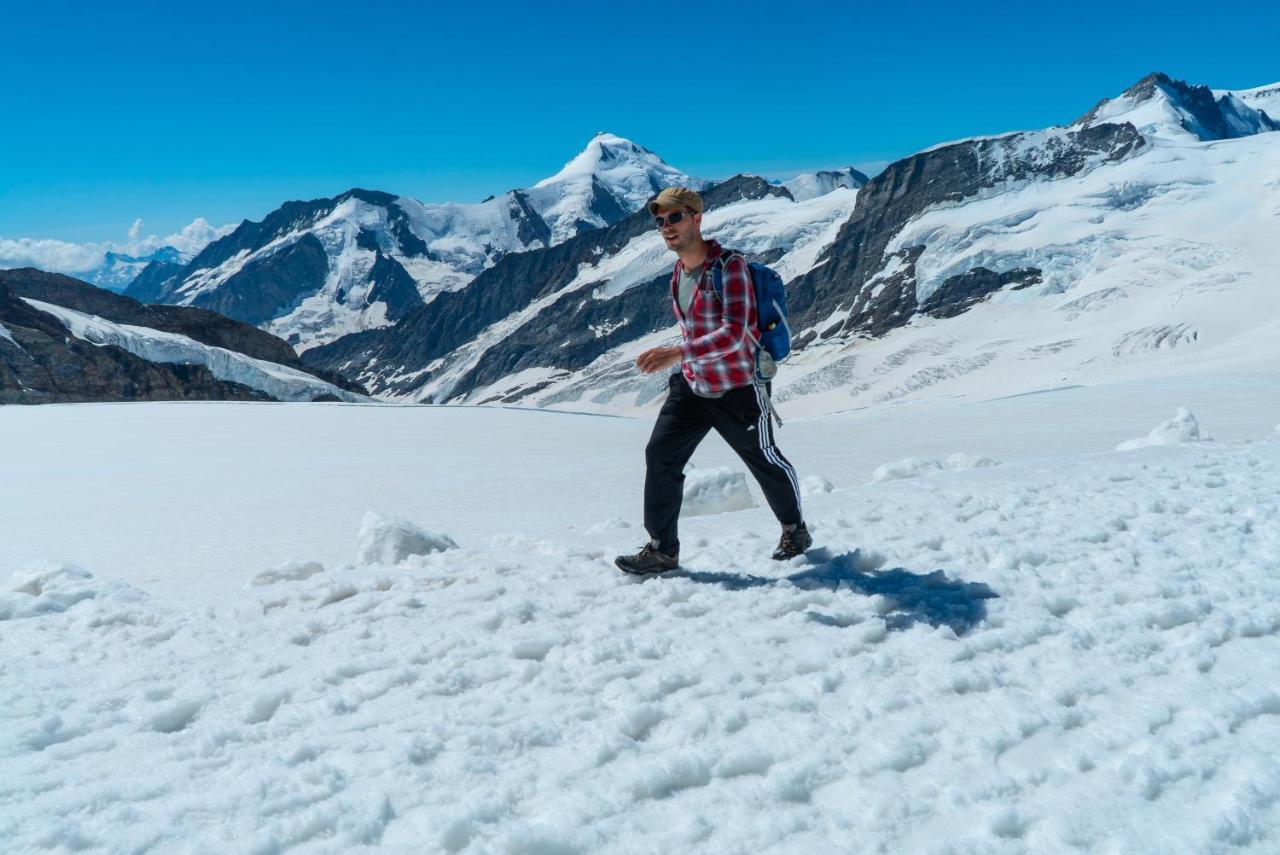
(269, 287)
(154, 279)
(530, 226)
(958, 294)
(393, 286)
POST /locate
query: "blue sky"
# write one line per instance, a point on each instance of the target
(167, 112)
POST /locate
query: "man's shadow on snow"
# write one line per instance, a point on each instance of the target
(915, 598)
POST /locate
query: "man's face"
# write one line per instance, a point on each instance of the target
(682, 234)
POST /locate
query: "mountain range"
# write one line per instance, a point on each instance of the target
(1087, 243)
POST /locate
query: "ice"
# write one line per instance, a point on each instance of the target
(815, 485)
(1183, 427)
(908, 467)
(384, 540)
(49, 586)
(715, 491)
(289, 571)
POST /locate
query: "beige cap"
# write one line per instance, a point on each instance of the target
(676, 198)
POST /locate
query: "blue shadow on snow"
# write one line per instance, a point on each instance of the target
(915, 598)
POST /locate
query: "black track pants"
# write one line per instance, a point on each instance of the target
(739, 416)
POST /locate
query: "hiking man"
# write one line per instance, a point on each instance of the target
(715, 388)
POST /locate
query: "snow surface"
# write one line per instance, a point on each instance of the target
(278, 381)
(1070, 650)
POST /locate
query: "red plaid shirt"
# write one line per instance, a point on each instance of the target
(718, 337)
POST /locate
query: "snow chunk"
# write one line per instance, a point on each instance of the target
(385, 540)
(290, 571)
(914, 467)
(908, 467)
(1183, 427)
(960, 460)
(715, 491)
(815, 485)
(49, 587)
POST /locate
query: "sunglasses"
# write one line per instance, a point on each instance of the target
(671, 219)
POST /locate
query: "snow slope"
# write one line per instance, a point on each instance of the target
(1266, 98)
(279, 381)
(1068, 650)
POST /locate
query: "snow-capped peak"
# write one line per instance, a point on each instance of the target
(810, 185)
(1159, 106)
(610, 178)
(607, 154)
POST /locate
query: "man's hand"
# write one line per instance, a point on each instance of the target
(658, 358)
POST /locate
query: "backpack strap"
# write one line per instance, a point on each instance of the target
(717, 282)
(717, 270)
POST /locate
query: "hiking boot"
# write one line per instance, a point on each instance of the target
(647, 561)
(794, 542)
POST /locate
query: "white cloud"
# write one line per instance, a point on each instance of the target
(65, 257)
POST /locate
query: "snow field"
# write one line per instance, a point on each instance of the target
(1039, 656)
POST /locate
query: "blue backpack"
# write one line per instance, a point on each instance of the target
(771, 305)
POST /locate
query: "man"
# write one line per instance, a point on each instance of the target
(715, 388)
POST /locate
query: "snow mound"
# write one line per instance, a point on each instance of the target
(815, 485)
(715, 491)
(385, 540)
(51, 587)
(914, 467)
(289, 571)
(1183, 427)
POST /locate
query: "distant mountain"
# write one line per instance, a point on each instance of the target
(64, 340)
(314, 271)
(1262, 98)
(118, 270)
(1159, 106)
(811, 185)
(610, 179)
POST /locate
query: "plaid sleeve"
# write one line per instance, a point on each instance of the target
(734, 320)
